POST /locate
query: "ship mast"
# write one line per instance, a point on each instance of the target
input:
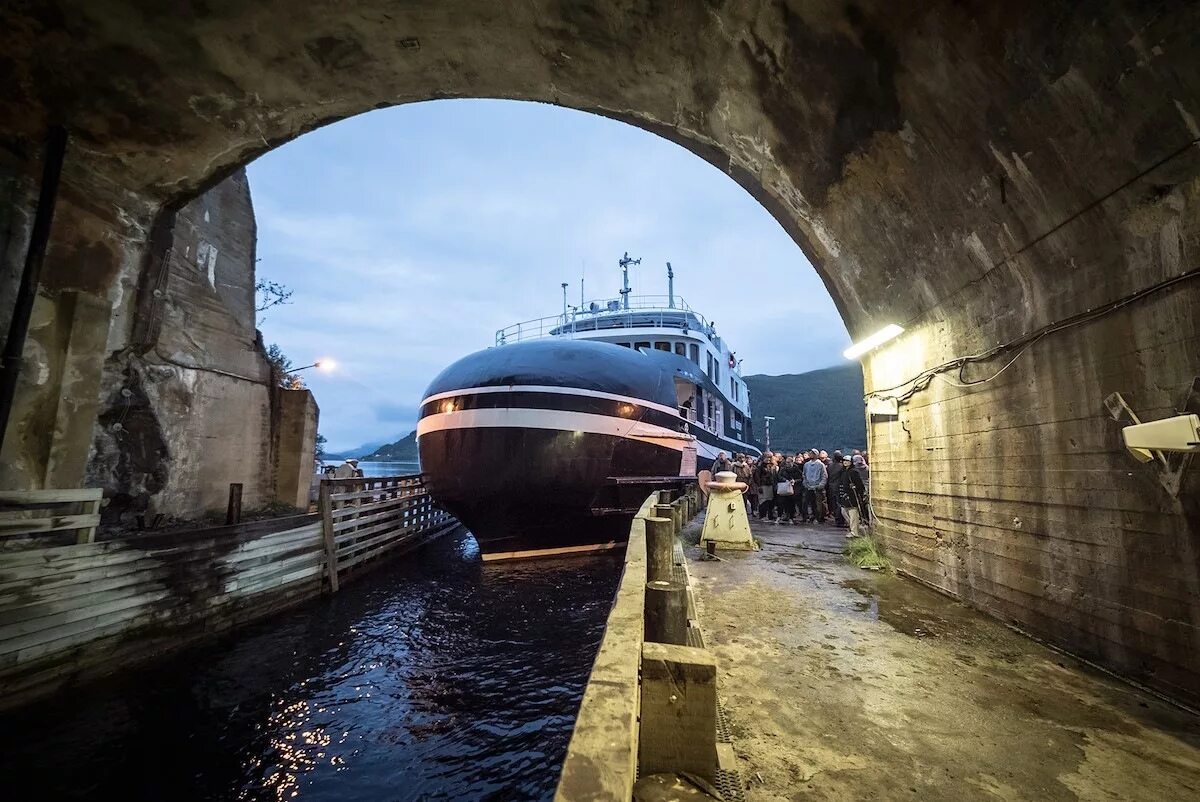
(625, 262)
(670, 286)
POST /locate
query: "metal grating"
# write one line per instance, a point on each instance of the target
(729, 783)
(724, 733)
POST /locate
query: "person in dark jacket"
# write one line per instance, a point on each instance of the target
(766, 477)
(721, 463)
(849, 492)
(835, 470)
(859, 466)
(790, 473)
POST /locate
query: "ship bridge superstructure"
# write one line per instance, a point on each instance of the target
(711, 392)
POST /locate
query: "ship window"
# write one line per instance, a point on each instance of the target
(662, 346)
(640, 346)
(681, 349)
(625, 345)
(695, 353)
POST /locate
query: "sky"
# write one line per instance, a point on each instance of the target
(409, 235)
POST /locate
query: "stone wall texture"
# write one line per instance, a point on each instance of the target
(974, 171)
(188, 409)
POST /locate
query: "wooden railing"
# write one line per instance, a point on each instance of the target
(48, 517)
(72, 610)
(362, 519)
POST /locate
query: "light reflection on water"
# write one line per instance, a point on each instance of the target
(435, 677)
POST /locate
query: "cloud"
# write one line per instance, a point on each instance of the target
(410, 235)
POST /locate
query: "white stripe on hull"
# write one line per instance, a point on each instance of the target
(539, 388)
(555, 419)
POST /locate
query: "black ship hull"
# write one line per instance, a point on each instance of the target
(551, 446)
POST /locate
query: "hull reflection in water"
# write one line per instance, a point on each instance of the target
(435, 677)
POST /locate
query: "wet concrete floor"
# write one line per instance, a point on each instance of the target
(842, 683)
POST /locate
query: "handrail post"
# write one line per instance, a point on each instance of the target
(326, 506)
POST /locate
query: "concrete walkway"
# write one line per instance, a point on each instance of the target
(842, 683)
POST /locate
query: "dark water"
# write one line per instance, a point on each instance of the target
(435, 677)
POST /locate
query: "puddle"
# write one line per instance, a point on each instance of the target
(887, 599)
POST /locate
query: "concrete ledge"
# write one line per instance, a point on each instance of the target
(601, 762)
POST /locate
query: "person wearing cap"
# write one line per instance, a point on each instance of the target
(348, 469)
(850, 494)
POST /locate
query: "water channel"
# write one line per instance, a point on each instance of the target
(433, 677)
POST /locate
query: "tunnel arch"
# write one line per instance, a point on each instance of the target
(975, 171)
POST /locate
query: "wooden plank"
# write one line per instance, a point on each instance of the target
(402, 502)
(365, 520)
(55, 523)
(345, 539)
(325, 504)
(113, 563)
(350, 495)
(116, 551)
(19, 497)
(66, 595)
(390, 533)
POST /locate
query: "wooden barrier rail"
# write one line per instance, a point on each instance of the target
(82, 609)
(30, 518)
(364, 518)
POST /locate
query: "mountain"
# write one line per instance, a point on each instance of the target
(403, 450)
(822, 408)
(343, 453)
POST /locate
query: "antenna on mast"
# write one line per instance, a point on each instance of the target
(670, 287)
(625, 262)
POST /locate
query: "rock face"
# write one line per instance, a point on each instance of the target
(974, 172)
(188, 409)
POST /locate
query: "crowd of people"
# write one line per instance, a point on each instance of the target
(806, 487)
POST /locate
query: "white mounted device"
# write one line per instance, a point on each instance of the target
(1180, 433)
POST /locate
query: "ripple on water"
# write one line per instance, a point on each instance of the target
(436, 677)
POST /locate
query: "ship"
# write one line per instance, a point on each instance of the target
(548, 441)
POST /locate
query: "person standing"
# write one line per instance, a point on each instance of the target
(788, 476)
(859, 466)
(815, 479)
(766, 477)
(835, 470)
(721, 463)
(744, 473)
(849, 493)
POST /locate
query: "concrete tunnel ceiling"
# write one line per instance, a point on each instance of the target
(974, 171)
(863, 130)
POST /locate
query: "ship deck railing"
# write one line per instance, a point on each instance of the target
(645, 311)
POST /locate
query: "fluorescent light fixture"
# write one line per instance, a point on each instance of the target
(888, 332)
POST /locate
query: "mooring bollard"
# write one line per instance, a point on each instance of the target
(664, 511)
(660, 549)
(666, 612)
(677, 515)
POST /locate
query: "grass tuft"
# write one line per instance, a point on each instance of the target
(864, 552)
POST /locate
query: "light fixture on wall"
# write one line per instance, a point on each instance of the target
(324, 364)
(888, 332)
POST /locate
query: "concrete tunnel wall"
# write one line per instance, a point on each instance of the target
(972, 171)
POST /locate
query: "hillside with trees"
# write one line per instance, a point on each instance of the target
(822, 408)
(403, 450)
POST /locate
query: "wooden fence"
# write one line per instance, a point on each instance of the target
(81, 609)
(362, 519)
(44, 517)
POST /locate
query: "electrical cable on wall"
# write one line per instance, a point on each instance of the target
(1023, 343)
